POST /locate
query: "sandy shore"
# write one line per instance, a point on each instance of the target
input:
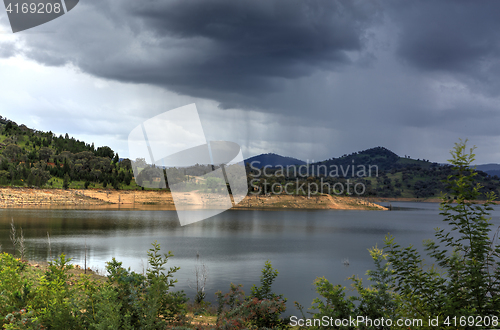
(162, 199)
(323, 202)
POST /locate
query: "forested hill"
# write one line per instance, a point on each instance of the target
(30, 157)
(385, 160)
(390, 175)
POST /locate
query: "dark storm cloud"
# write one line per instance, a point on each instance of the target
(458, 37)
(261, 39)
(214, 49)
(235, 51)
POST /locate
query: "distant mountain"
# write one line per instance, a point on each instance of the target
(491, 169)
(382, 172)
(273, 160)
(385, 159)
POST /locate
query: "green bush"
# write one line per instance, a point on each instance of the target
(56, 299)
(262, 309)
(15, 287)
(100, 307)
(465, 279)
(373, 302)
(146, 302)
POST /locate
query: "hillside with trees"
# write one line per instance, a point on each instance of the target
(385, 175)
(36, 159)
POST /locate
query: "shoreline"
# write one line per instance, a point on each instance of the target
(414, 200)
(36, 198)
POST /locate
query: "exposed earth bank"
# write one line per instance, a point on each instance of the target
(162, 199)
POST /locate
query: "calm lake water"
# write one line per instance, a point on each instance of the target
(234, 245)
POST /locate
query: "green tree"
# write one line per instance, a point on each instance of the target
(45, 153)
(30, 180)
(127, 179)
(465, 280)
(105, 152)
(12, 151)
(126, 164)
(266, 280)
(66, 181)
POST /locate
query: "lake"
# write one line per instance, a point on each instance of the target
(234, 245)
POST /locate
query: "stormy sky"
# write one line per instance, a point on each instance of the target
(307, 79)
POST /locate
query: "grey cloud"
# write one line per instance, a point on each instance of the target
(7, 49)
(458, 37)
(362, 72)
(469, 120)
(213, 49)
(260, 37)
(241, 53)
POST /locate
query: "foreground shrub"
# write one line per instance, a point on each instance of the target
(262, 309)
(373, 302)
(15, 290)
(145, 302)
(57, 299)
(465, 281)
